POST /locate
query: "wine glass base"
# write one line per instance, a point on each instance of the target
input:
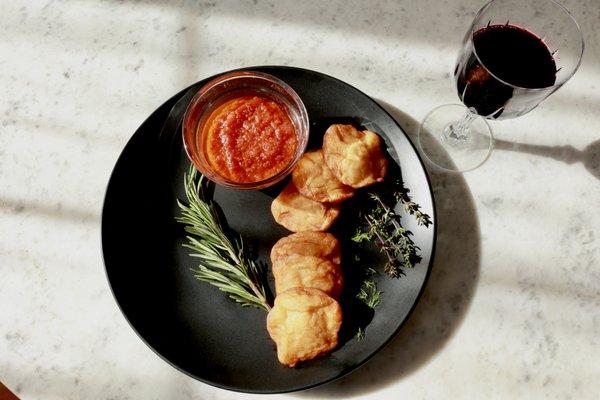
(448, 152)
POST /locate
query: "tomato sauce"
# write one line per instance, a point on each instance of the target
(249, 139)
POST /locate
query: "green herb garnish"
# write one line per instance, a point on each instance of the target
(382, 225)
(410, 206)
(224, 261)
(360, 334)
(369, 294)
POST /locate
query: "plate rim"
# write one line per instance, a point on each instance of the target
(344, 372)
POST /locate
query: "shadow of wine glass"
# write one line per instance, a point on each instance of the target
(589, 156)
(447, 296)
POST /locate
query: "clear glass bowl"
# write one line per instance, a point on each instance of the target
(226, 87)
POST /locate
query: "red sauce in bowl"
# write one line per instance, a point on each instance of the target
(249, 139)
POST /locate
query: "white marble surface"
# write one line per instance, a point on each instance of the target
(513, 306)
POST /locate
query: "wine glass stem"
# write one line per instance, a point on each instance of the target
(458, 132)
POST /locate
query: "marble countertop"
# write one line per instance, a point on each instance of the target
(512, 309)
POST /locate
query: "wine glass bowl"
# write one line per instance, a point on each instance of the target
(513, 56)
(507, 66)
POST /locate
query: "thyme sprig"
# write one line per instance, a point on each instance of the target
(360, 334)
(368, 292)
(410, 206)
(224, 260)
(382, 225)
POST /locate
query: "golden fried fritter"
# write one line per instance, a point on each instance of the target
(315, 180)
(304, 323)
(298, 213)
(310, 272)
(318, 244)
(354, 157)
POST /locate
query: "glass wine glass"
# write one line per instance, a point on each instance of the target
(515, 54)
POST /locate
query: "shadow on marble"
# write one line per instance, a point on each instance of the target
(427, 24)
(378, 18)
(589, 156)
(447, 295)
(20, 206)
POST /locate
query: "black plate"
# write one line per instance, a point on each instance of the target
(195, 327)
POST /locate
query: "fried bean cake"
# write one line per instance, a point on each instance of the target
(317, 244)
(309, 272)
(298, 213)
(354, 157)
(304, 323)
(314, 179)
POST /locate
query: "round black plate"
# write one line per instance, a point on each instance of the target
(195, 327)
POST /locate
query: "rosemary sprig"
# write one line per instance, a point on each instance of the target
(224, 262)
